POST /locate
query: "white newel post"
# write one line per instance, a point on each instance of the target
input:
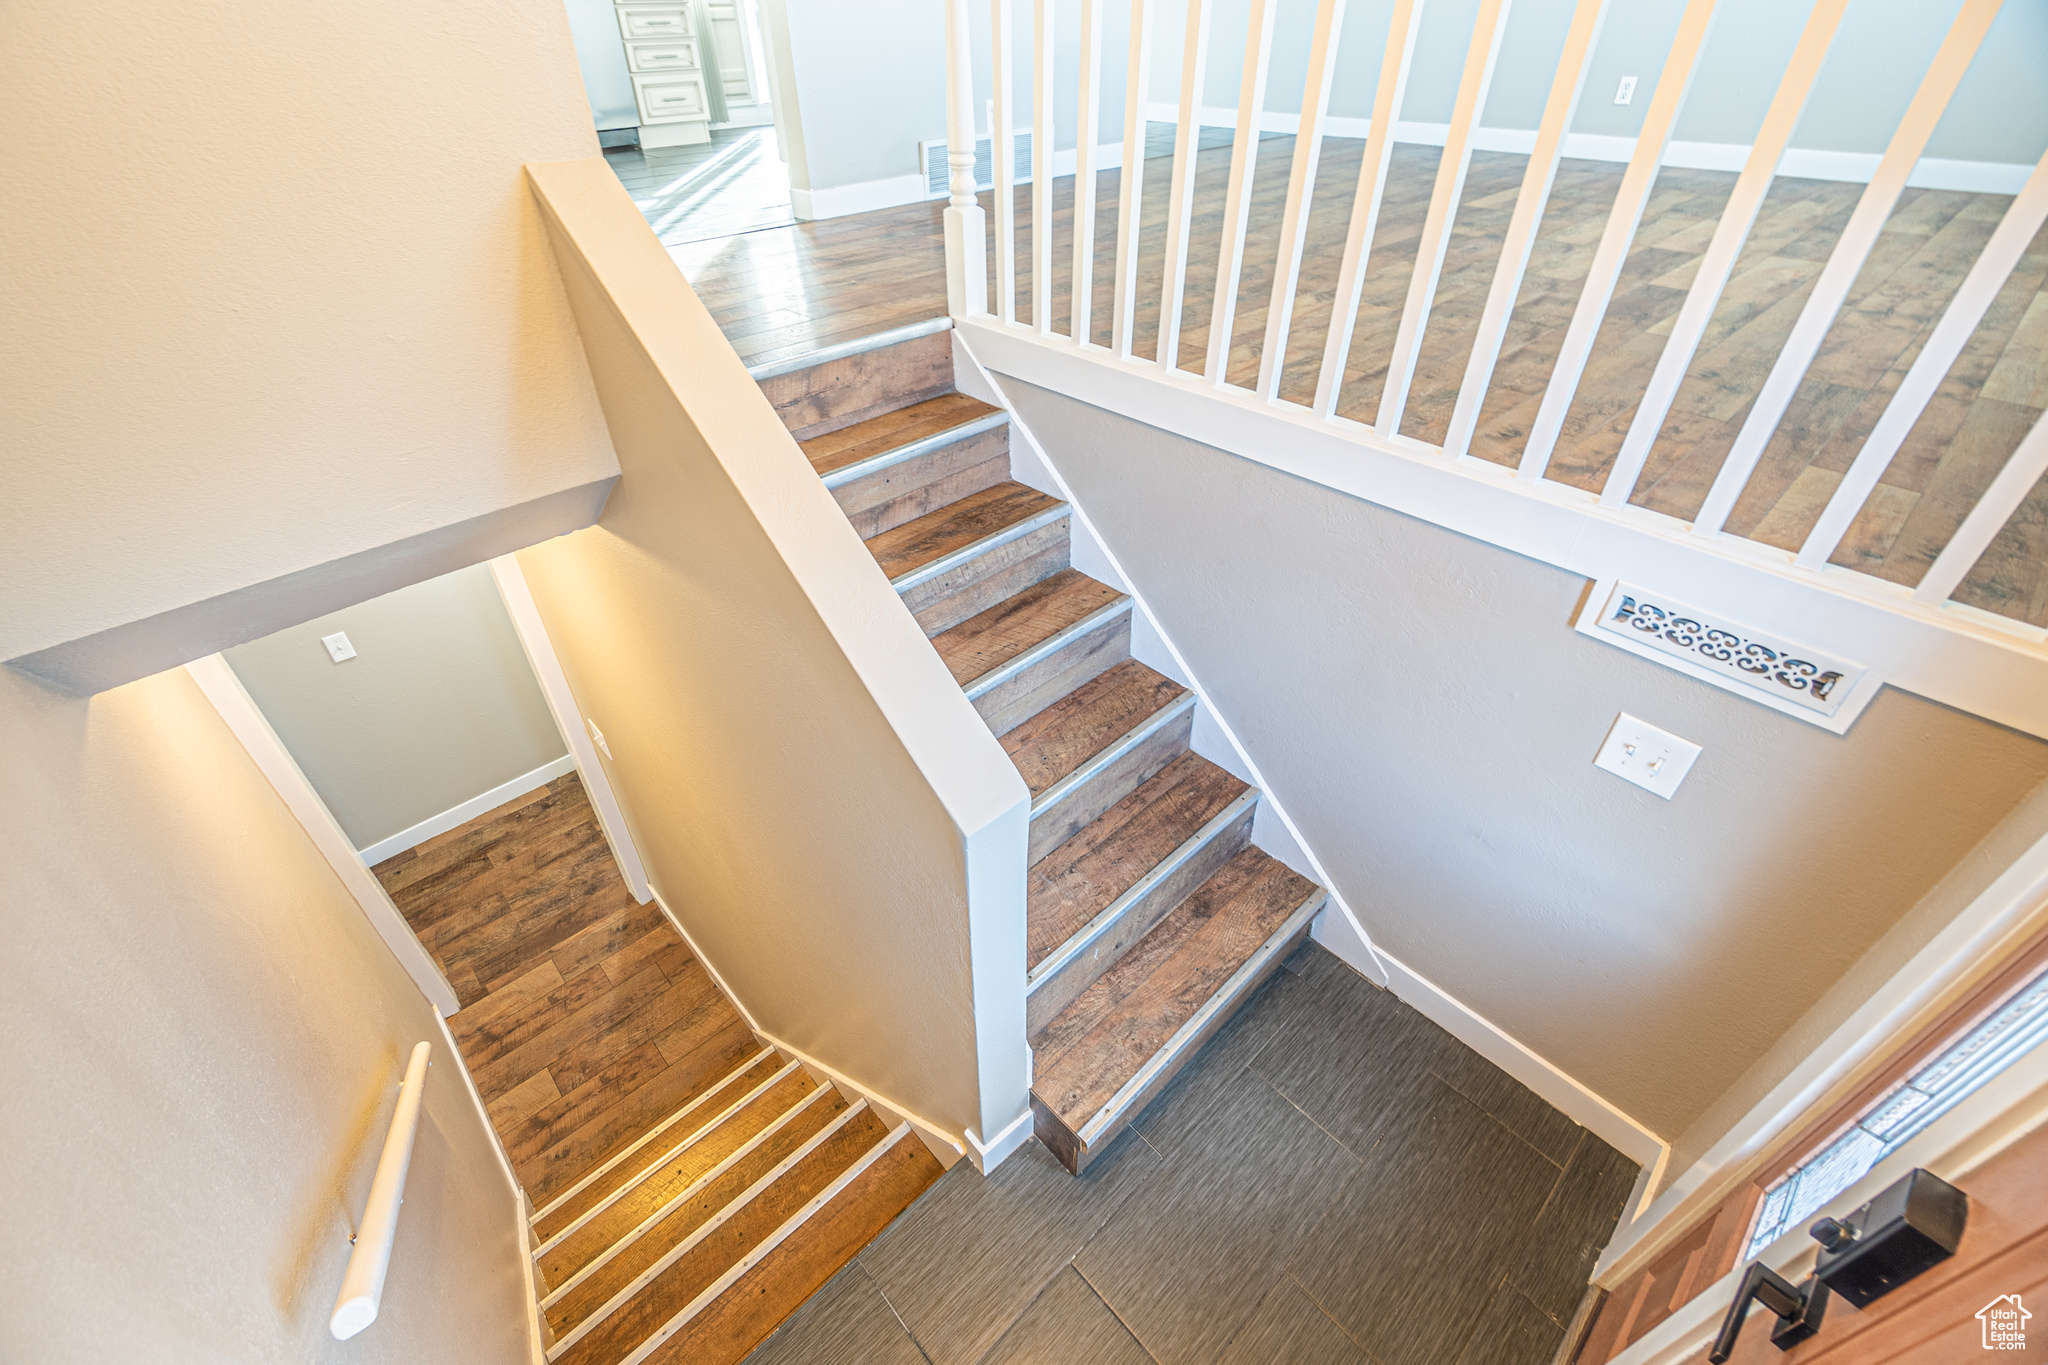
(966, 241)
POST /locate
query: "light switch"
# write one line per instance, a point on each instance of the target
(1627, 91)
(597, 737)
(338, 647)
(1655, 760)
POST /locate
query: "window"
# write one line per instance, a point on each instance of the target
(1936, 1087)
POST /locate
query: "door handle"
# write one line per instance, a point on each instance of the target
(1799, 1309)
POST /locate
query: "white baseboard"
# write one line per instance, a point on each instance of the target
(1933, 173)
(1004, 1146)
(945, 1146)
(1564, 1094)
(466, 812)
(865, 197)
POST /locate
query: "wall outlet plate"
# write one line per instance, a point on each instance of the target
(338, 647)
(597, 737)
(1655, 760)
(1627, 90)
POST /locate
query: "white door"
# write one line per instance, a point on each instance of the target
(736, 32)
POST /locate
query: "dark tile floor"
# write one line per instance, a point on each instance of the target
(1334, 1180)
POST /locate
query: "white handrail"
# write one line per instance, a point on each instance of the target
(362, 1288)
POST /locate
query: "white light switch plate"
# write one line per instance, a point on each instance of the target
(338, 647)
(597, 737)
(1655, 760)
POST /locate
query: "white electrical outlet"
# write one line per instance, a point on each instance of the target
(338, 647)
(1655, 760)
(597, 737)
(1627, 91)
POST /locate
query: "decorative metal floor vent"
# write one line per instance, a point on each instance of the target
(1795, 679)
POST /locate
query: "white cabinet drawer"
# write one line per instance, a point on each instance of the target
(655, 21)
(677, 56)
(667, 98)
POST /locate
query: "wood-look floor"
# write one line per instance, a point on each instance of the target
(585, 1020)
(1333, 1181)
(782, 292)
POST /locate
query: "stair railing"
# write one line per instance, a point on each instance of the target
(362, 1288)
(967, 261)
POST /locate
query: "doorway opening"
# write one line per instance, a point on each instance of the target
(681, 99)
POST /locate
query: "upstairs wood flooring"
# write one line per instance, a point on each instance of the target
(782, 292)
(585, 1020)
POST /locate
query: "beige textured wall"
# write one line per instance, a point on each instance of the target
(201, 1041)
(438, 706)
(814, 797)
(276, 294)
(1424, 710)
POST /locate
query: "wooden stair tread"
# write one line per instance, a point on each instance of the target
(838, 393)
(994, 637)
(955, 526)
(726, 1093)
(755, 1304)
(876, 435)
(1086, 721)
(632, 1323)
(1076, 881)
(657, 1186)
(634, 1258)
(1107, 1035)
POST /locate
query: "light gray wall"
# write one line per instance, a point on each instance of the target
(1880, 52)
(1427, 715)
(438, 705)
(869, 82)
(201, 1042)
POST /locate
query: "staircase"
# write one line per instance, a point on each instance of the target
(695, 1242)
(1151, 915)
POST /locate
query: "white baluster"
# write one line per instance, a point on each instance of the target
(966, 238)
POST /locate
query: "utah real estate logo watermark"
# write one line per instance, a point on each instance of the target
(2005, 1323)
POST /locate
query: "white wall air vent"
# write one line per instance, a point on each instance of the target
(933, 156)
(1808, 683)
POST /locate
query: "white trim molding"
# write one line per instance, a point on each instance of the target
(236, 707)
(1338, 927)
(1807, 163)
(1575, 1101)
(1979, 941)
(1279, 836)
(1952, 654)
(467, 811)
(945, 1145)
